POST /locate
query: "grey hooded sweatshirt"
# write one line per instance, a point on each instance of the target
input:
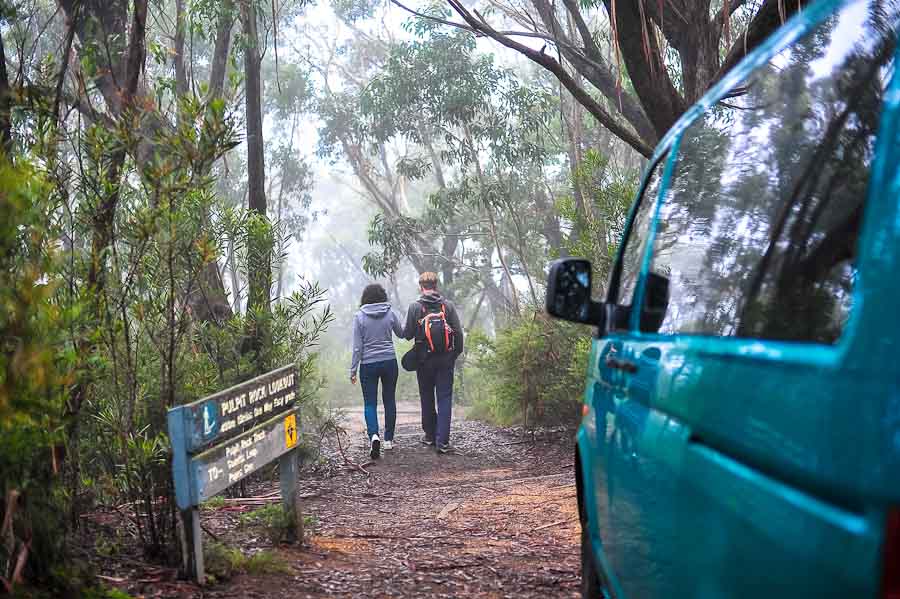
(372, 329)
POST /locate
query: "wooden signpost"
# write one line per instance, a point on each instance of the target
(220, 439)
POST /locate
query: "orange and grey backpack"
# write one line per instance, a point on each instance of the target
(434, 332)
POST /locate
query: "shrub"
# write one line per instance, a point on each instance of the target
(277, 522)
(35, 368)
(532, 374)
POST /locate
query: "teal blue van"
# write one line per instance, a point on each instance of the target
(741, 427)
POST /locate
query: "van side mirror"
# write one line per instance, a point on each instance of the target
(656, 302)
(569, 293)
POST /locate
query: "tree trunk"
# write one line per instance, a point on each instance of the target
(181, 79)
(5, 117)
(643, 59)
(259, 242)
(235, 278)
(210, 302)
(255, 152)
(221, 50)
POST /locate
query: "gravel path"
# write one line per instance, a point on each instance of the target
(496, 518)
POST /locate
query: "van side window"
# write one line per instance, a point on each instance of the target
(636, 242)
(758, 231)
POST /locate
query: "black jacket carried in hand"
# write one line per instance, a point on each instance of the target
(433, 300)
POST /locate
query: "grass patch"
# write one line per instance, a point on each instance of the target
(213, 503)
(266, 562)
(276, 521)
(223, 562)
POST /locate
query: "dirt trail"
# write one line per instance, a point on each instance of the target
(497, 518)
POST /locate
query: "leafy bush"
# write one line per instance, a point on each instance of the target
(277, 521)
(597, 227)
(35, 369)
(160, 340)
(532, 374)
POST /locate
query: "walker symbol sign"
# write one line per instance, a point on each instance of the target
(222, 438)
(209, 419)
(290, 431)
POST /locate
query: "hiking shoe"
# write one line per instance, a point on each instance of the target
(376, 448)
(426, 440)
(444, 448)
(387, 445)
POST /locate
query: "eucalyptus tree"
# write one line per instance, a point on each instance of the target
(636, 65)
(478, 145)
(120, 117)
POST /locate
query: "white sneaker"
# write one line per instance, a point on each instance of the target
(387, 445)
(376, 447)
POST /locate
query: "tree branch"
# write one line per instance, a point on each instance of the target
(552, 65)
(592, 65)
(646, 69)
(64, 67)
(766, 20)
(478, 33)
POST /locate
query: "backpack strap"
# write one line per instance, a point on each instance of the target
(428, 338)
(446, 326)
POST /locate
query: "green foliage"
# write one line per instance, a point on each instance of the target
(395, 238)
(111, 234)
(154, 350)
(532, 374)
(74, 579)
(36, 366)
(277, 521)
(437, 84)
(32, 373)
(475, 127)
(354, 10)
(597, 226)
(213, 503)
(223, 562)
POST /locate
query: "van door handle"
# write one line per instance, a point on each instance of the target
(625, 365)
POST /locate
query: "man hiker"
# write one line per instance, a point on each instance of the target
(433, 322)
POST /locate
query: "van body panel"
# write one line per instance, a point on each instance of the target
(739, 467)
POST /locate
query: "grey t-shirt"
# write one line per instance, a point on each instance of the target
(373, 327)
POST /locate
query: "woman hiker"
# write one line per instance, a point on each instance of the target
(373, 353)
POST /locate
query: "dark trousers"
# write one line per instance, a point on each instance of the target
(435, 376)
(369, 375)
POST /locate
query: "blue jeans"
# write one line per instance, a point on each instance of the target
(369, 375)
(435, 376)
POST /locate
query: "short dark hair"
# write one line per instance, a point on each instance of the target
(428, 280)
(373, 294)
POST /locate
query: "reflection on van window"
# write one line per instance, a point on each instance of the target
(636, 242)
(758, 230)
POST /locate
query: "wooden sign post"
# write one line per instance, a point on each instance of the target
(220, 439)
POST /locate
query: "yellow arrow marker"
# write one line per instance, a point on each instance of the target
(290, 431)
